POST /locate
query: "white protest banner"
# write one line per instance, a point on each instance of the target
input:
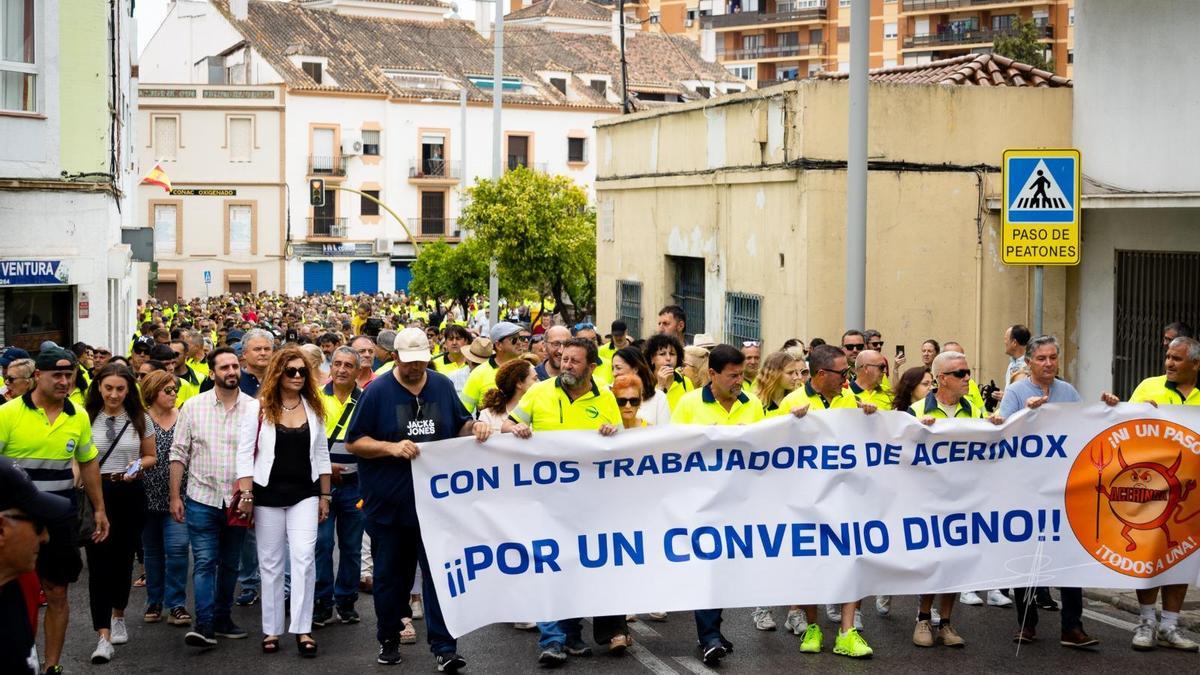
(829, 508)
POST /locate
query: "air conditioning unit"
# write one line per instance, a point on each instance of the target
(352, 146)
(383, 245)
(688, 22)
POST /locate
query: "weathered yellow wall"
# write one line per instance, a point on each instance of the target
(926, 276)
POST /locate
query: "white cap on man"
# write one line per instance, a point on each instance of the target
(411, 345)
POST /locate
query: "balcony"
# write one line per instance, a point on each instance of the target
(936, 5)
(434, 227)
(782, 51)
(434, 170)
(326, 166)
(515, 160)
(326, 226)
(725, 21)
(966, 37)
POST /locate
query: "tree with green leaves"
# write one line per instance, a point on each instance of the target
(450, 272)
(542, 233)
(1021, 44)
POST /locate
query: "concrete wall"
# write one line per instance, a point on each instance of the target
(720, 181)
(1136, 118)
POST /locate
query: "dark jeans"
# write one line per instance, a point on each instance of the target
(347, 520)
(166, 549)
(708, 625)
(1027, 612)
(110, 562)
(397, 550)
(216, 547)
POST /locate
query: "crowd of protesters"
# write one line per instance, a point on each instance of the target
(301, 417)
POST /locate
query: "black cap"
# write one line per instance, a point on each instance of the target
(18, 491)
(144, 344)
(619, 327)
(48, 359)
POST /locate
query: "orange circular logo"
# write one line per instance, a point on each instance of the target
(1130, 496)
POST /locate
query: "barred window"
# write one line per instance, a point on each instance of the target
(743, 318)
(629, 305)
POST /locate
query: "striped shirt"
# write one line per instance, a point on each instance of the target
(206, 443)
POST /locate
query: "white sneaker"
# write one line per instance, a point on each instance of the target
(858, 619)
(763, 619)
(997, 599)
(1173, 638)
(795, 622)
(120, 634)
(104, 652)
(418, 609)
(970, 598)
(1143, 636)
(834, 613)
(883, 604)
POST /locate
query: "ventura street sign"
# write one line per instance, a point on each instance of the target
(1040, 210)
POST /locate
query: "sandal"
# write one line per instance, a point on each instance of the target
(140, 582)
(153, 614)
(408, 636)
(179, 617)
(307, 648)
(270, 644)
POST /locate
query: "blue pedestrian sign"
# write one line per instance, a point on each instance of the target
(1040, 210)
(207, 277)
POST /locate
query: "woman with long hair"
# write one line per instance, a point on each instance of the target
(695, 365)
(164, 540)
(125, 440)
(914, 385)
(283, 472)
(664, 354)
(654, 409)
(513, 379)
(779, 376)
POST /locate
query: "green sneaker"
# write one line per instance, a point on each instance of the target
(811, 642)
(852, 644)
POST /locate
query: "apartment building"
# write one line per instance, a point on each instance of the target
(767, 41)
(390, 100)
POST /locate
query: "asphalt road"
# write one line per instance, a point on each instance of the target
(660, 648)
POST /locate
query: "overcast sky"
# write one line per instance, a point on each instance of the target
(149, 13)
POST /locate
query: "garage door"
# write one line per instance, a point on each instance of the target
(403, 275)
(364, 277)
(318, 277)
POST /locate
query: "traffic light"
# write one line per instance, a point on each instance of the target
(316, 192)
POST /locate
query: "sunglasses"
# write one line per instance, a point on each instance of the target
(960, 374)
(296, 372)
(844, 373)
(622, 402)
(854, 348)
(170, 391)
(751, 343)
(9, 379)
(877, 345)
(104, 352)
(38, 526)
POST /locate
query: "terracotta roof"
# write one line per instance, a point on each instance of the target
(563, 9)
(426, 3)
(359, 49)
(983, 70)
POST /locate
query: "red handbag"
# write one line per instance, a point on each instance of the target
(234, 517)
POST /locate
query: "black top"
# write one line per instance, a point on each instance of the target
(290, 481)
(17, 653)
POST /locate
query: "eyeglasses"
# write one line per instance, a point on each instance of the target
(38, 526)
(557, 344)
(960, 374)
(854, 348)
(871, 365)
(622, 402)
(751, 343)
(296, 372)
(844, 373)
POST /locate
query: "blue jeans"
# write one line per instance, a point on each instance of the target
(558, 632)
(708, 625)
(248, 565)
(347, 519)
(397, 551)
(165, 543)
(216, 548)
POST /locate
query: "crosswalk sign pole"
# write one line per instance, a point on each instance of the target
(1039, 274)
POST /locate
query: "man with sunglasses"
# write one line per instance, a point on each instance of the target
(871, 369)
(43, 431)
(974, 395)
(509, 344)
(103, 354)
(25, 515)
(853, 343)
(875, 342)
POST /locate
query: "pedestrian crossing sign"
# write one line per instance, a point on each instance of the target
(1040, 210)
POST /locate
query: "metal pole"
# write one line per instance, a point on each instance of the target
(856, 168)
(497, 146)
(1039, 274)
(462, 141)
(624, 63)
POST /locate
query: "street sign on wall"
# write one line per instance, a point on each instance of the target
(1040, 209)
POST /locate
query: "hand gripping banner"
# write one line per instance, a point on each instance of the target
(829, 508)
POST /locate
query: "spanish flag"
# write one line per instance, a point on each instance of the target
(158, 177)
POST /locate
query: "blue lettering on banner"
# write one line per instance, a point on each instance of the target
(32, 272)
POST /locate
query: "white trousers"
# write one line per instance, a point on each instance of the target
(287, 532)
(368, 563)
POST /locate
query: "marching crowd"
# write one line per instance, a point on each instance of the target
(258, 433)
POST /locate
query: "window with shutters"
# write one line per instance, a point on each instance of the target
(166, 218)
(600, 86)
(241, 228)
(743, 318)
(368, 207)
(629, 305)
(370, 139)
(241, 139)
(166, 137)
(433, 212)
(313, 70)
(577, 150)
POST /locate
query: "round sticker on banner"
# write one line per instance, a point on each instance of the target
(1131, 496)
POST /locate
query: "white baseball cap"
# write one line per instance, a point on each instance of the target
(412, 345)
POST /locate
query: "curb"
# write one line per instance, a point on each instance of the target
(1188, 619)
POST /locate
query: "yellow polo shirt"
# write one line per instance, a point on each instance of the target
(700, 406)
(806, 395)
(479, 382)
(678, 388)
(444, 365)
(546, 407)
(928, 407)
(879, 396)
(1163, 392)
(45, 449)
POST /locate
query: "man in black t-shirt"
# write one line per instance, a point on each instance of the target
(405, 407)
(24, 514)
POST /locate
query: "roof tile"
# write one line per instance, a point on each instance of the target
(969, 69)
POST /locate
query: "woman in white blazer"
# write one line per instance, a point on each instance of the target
(283, 463)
